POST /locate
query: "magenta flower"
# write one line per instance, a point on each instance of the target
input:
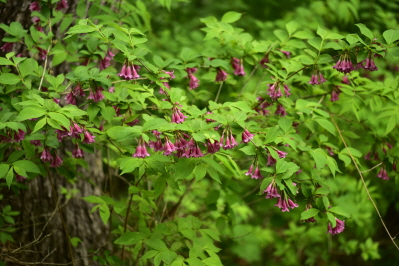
(156, 145)
(383, 174)
(128, 72)
(106, 62)
(133, 123)
(221, 75)
(46, 155)
(57, 101)
(257, 174)
(280, 110)
(345, 80)
(264, 60)
(96, 95)
(262, 105)
(19, 136)
(193, 81)
(344, 64)
(56, 162)
(42, 53)
(317, 78)
(287, 90)
(7, 47)
(281, 154)
(88, 138)
(339, 228)
(169, 147)
(177, 116)
(238, 67)
(111, 90)
(247, 136)
(141, 151)
(212, 147)
(77, 152)
(70, 99)
(228, 141)
(285, 204)
(250, 170)
(270, 160)
(20, 178)
(78, 91)
(62, 4)
(274, 91)
(36, 143)
(287, 54)
(370, 65)
(75, 130)
(62, 133)
(34, 6)
(272, 191)
(335, 94)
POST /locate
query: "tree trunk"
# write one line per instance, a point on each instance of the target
(42, 227)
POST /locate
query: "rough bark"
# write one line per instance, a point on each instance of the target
(40, 224)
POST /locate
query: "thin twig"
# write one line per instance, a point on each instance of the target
(372, 168)
(44, 69)
(249, 78)
(126, 219)
(220, 89)
(364, 183)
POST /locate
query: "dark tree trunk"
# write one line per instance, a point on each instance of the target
(42, 235)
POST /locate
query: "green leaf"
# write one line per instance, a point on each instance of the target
(40, 124)
(332, 219)
(10, 177)
(120, 133)
(92, 111)
(30, 112)
(200, 171)
(231, 17)
(130, 238)
(94, 199)
(108, 113)
(28, 166)
(272, 134)
(316, 43)
(390, 36)
(9, 79)
(155, 123)
(15, 155)
(365, 31)
(391, 124)
(291, 27)
(159, 186)
(5, 62)
(156, 244)
(27, 67)
(319, 158)
(281, 166)
(168, 256)
(285, 124)
(309, 213)
(339, 211)
(332, 164)
(80, 29)
(3, 169)
(61, 119)
(184, 168)
(104, 213)
(249, 150)
(326, 125)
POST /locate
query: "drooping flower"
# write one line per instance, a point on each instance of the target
(36, 143)
(281, 154)
(78, 91)
(42, 53)
(287, 90)
(193, 80)
(156, 145)
(96, 95)
(106, 62)
(247, 136)
(262, 105)
(62, 4)
(238, 67)
(212, 147)
(7, 47)
(369, 64)
(56, 162)
(285, 203)
(345, 80)
(20, 178)
(383, 174)
(111, 90)
(250, 170)
(88, 138)
(280, 110)
(311, 219)
(227, 140)
(335, 94)
(317, 78)
(270, 160)
(19, 136)
(70, 99)
(141, 150)
(46, 155)
(287, 54)
(169, 147)
(177, 116)
(77, 152)
(264, 60)
(221, 75)
(256, 174)
(339, 228)
(274, 90)
(271, 191)
(128, 72)
(34, 6)
(57, 101)
(344, 64)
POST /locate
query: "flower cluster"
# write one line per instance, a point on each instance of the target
(193, 80)
(129, 71)
(238, 66)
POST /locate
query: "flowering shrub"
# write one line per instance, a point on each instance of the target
(203, 129)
